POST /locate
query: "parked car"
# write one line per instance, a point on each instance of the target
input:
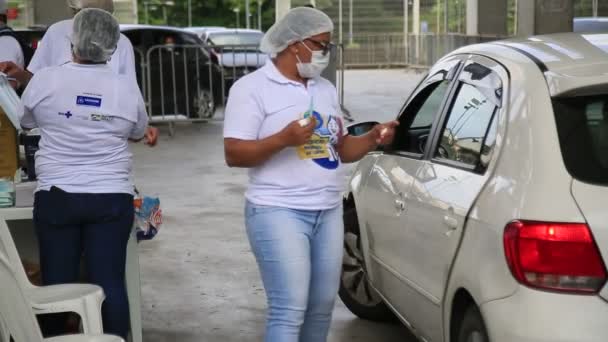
(236, 50)
(32, 36)
(591, 24)
(486, 219)
(200, 30)
(182, 79)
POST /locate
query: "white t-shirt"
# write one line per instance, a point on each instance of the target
(85, 114)
(55, 49)
(308, 177)
(10, 51)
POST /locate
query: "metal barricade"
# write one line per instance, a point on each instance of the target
(393, 50)
(191, 83)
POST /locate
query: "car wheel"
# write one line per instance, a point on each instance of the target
(355, 290)
(472, 328)
(204, 105)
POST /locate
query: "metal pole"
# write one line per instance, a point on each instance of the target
(165, 15)
(515, 18)
(437, 29)
(595, 7)
(340, 22)
(416, 28)
(406, 29)
(146, 12)
(190, 13)
(260, 15)
(445, 17)
(350, 23)
(247, 19)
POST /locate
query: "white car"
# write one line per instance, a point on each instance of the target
(487, 219)
(237, 50)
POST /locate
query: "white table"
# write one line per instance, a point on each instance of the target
(20, 222)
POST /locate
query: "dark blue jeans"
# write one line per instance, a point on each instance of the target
(96, 226)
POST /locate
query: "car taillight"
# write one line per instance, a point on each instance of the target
(554, 256)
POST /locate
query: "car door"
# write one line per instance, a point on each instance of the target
(383, 198)
(446, 184)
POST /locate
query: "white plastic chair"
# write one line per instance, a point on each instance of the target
(83, 299)
(17, 317)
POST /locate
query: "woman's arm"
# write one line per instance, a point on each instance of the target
(252, 153)
(353, 149)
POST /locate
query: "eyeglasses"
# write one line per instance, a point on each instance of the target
(325, 47)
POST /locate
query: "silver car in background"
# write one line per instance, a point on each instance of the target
(487, 219)
(236, 48)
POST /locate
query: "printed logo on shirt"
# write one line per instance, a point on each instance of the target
(321, 147)
(101, 117)
(88, 101)
(67, 114)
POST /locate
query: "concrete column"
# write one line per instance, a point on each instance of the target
(544, 17)
(282, 7)
(487, 17)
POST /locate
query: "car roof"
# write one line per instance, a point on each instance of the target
(563, 51)
(233, 30)
(602, 19)
(132, 27)
(572, 63)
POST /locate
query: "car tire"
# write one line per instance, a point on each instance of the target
(472, 328)
(356, 291)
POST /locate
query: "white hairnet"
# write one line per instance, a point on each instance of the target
(95, 35)
(298, 24)
(77, 5)
(3, 6)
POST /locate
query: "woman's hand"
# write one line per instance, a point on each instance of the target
(151, 136)
(20, 75)
(296, 135)
(384, 134)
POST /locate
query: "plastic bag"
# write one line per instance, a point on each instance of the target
(148, 217)
(10, 101)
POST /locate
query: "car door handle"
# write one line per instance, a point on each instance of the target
(450, 221)
(399, 204)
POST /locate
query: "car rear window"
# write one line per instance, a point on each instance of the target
(582, 124)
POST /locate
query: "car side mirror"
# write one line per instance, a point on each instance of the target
(361, 128)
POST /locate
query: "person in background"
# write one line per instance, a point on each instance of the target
(86, 113)
(55, 49)
(284, 123)
(10, 47)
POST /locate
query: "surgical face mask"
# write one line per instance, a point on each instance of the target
(318, 63)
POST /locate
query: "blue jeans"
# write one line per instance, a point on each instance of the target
(68, 224)
(299, 254)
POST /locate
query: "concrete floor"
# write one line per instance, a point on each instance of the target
(199, 278)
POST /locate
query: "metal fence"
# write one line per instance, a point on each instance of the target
(190, 83)
(393, 50)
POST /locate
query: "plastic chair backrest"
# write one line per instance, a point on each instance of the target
(16, 312)
(9, 250)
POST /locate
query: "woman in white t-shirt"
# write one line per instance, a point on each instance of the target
(86, 114)
(284, 123)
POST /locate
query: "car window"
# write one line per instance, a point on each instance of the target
(188, 39)
(469, 135)
(418, 118)
(582, 125)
